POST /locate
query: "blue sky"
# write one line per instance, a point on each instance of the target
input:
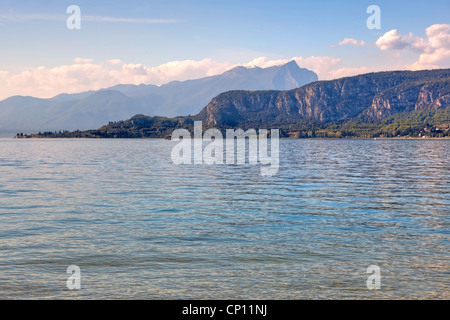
(34, 33)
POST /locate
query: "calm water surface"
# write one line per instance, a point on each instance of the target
(140, 227)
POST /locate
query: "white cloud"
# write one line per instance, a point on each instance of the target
(439, 35)
(434, 51)
(439, 58)
(115, 61)
(188, 69)
(322, 65)
(263, 63)
(352, 42)
(86, 75)
(392, 40)
(81, 60)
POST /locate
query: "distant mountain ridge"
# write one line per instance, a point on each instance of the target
(189, 97)
(92, 109)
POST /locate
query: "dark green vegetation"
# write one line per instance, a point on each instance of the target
(139, 126)
(385, 104)
(432, 124)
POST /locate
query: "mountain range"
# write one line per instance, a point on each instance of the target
(92, 109)
(395, 103)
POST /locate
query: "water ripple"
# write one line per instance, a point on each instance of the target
(141, 227)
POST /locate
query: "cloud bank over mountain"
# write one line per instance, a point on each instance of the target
(91, 109)
(84, 74)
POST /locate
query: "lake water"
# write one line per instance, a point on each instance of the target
(140, 227)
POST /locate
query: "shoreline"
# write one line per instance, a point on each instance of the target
(284, 138)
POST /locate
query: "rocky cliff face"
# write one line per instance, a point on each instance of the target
(423, 96)
(373, 96)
